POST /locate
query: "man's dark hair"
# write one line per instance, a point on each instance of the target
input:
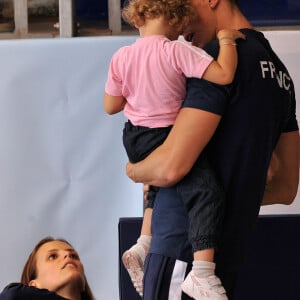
(234, 2)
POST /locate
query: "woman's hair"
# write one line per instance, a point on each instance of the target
(175, 12)
(29, 271)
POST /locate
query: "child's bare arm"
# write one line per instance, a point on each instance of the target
(222, 70)
(113, 104)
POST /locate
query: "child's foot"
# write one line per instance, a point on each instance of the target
(204, 288)
(133, 260)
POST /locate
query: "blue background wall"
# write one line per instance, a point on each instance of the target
(260, 12)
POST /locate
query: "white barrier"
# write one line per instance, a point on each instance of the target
(62, 163)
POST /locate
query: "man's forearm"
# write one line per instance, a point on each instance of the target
(275, 194)
(154, 170)
(284, 171)
(171, 161)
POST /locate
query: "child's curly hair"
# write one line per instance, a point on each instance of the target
(175, 12)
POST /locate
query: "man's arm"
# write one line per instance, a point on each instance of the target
(171, 161)
(283, 185)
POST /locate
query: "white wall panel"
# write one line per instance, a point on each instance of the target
(62, 163)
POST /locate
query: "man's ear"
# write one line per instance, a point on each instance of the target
(213, 3)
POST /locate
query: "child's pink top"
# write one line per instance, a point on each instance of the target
(150, 74)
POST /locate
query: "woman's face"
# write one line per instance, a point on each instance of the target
(58, 266)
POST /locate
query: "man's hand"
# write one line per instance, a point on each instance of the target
(130, 171)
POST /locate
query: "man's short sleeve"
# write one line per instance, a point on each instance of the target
(204, 95)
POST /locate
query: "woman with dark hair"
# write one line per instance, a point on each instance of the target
(53, 271)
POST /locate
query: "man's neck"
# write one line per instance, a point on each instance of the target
(231, 17)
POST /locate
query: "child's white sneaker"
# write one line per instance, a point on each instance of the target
(204, 288)
(133, 260)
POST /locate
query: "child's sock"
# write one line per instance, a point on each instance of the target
(203, 269)
(142, 246)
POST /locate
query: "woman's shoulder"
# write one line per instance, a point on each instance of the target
(10, 290)
(19, 291)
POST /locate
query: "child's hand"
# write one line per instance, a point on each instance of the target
(146, 189)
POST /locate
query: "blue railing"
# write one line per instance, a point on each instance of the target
(259, 12)
(272, 12)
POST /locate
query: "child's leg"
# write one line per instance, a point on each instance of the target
(205, 255)
(203, 199)
(146, 225)
(134, 258)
